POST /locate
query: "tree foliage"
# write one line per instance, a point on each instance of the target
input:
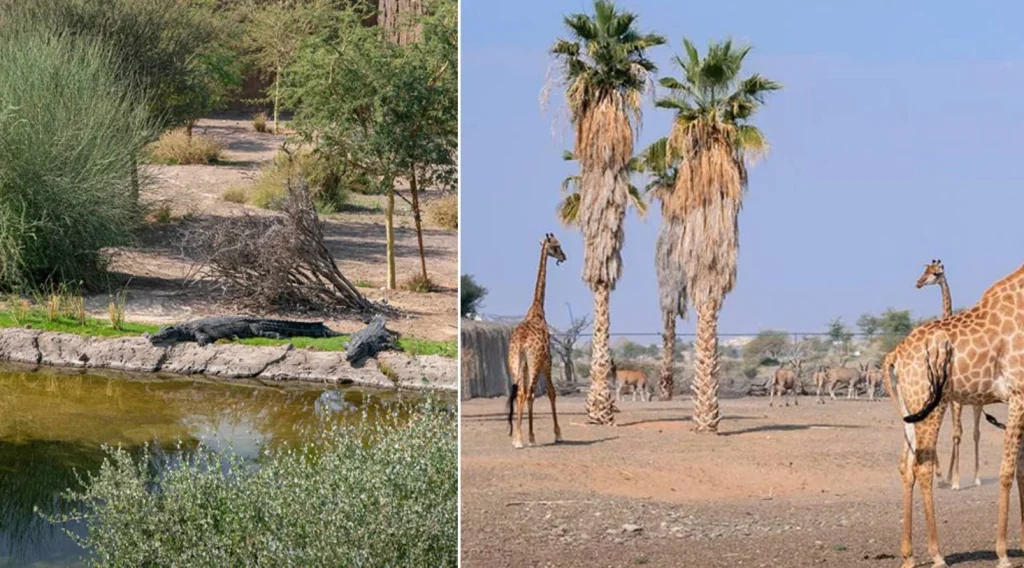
(471, 296)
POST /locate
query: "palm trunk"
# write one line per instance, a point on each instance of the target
(599, 400)
(414, 188)
(389, 232)
(705, 380)
(668, 353)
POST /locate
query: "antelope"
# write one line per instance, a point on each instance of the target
(786, 379)
(634, 378)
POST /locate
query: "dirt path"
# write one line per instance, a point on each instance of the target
(812, 485)
(355, 236)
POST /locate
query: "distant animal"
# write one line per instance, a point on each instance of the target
(786, 379)
(208, 330)
(820, 381)
(872, 374)
(636, 379)
(843, 375)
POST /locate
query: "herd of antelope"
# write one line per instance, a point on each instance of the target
(787, 379)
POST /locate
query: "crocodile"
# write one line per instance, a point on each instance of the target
(208, 330)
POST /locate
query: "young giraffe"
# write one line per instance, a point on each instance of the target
(986, 365)
(935, 274)
(529, 351)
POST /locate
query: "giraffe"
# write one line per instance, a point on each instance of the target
(935, 274)
(529, 351)
(985, 352)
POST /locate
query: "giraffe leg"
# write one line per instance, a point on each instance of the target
(554, 414)
(1011, 451)
(954, 459)
(533, 439)
(925, 462)
(517, 435)
(977, 440)
(907, 476)
(516, 367)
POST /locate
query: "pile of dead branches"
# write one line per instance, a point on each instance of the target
(278, 262)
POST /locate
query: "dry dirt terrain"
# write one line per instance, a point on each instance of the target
(355, 237)
(807, 485)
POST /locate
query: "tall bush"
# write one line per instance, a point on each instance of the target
(69, 132)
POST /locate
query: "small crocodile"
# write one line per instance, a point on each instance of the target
(208, 330)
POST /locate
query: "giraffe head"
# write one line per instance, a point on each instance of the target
(554, 248)
(933, 273)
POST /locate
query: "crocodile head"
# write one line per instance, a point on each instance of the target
(169, 334)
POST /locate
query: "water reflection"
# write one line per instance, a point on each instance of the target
(53, 424)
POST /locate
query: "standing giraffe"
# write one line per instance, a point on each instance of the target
(935, 274)
(985, 350)
(529, 351)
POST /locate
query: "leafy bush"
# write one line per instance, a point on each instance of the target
(176, 147)
(444, 212)
(417, 283)
(259, 122)
(382, 493)
(325, 181)
(69, 134)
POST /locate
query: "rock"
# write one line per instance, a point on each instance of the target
(630, 528)
(134, 354)
(235, 361)
(63, 349)
(19, 345)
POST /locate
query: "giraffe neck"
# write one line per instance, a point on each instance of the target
(538, 292)
(947, 302)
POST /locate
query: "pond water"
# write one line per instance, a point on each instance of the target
(53, 423)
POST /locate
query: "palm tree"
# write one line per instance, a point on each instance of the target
(569, 207)
(712, 140)
(605, 72)
(671, 274)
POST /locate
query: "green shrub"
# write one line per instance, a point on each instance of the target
(443, 212)
(259, 122)
(69, 134)
(383, 493)
(326, 182)
(176, 147)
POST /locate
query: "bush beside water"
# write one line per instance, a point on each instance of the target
(69, 133)
(383, 493)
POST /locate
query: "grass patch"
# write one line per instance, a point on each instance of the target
(365, 284)
(417, 283)
(235, 195)
(443, 212)
(175, 148)
(383, 492)
(20, 316)
(329, 192)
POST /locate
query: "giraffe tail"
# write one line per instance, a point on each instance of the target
(937, 378)
(512, 404)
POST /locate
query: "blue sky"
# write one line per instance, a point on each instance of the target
(895, 141)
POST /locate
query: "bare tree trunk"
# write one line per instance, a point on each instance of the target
(389, 231)
(414, 187)
(668, 353)
(705, 381)
(277, 97)
(570, 370)
(599, 400)
(188, 129)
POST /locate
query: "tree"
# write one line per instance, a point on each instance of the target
(769, 345)
(712, 140)
(868, 325)
(471, 295)
(605, 72)
(840, 335)
(383, 109)
(893, 326)
(569, 207)
(563, 343)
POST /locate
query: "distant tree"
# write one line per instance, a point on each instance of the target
(840, 336)
(563, 343)
(893, 326)
(630, 350)
(471, 296)
(868, 325)
(767, 348)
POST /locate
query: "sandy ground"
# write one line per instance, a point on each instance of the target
(354, 236)
(807, 485)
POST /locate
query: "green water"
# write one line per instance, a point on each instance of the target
(54, 423)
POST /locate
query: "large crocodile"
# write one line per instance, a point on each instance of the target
(208, 330)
